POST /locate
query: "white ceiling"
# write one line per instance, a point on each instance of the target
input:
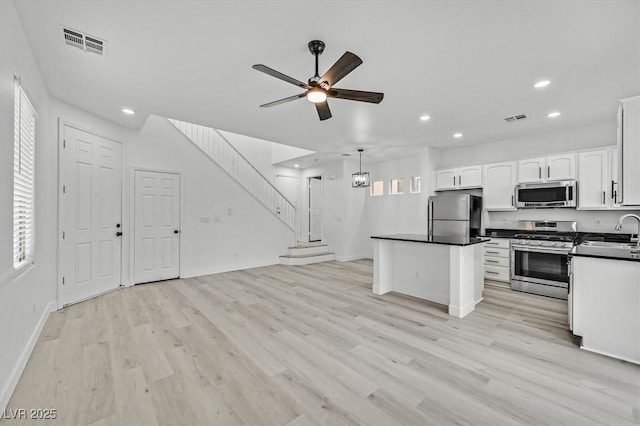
(467, 64)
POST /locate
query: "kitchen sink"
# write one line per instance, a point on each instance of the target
(604, 244)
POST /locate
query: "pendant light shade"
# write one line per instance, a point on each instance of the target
(360, 179)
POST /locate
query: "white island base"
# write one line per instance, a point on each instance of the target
(450, 274)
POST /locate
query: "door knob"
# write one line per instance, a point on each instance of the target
(118, 233)
(175, 231)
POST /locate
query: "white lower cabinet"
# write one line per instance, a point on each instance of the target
(497, 260)
(606, 306)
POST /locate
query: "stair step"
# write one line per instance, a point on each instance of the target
(307, 249)
(306, 259)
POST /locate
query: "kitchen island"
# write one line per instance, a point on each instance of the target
(445, 270)
(604, 302)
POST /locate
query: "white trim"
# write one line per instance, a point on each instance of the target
(18, 369)
(610, 355)
(353, 257)
(228, 268)
(16, 272)
(132, 194)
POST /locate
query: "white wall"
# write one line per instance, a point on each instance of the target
(27, 298)
(541, 144)
(212, 240)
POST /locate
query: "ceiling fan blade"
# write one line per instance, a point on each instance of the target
(282, 101)
(277, 74)
(323, 110)
(356, 95)
(343, 66)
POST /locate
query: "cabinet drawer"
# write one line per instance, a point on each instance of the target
(497, 261)
(497, 242)
(498, 273)
(496, 252)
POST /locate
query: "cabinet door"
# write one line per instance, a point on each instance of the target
(561, 167)
(614, 184)
(531, 170)
(593, 179)
(629, 143)
(446, 179)
(498, 186)
(470, 177)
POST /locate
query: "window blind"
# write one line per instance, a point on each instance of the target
(24, 122)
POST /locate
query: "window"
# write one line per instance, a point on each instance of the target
(397, 186)
(24, 129)
(415, 185)
(377, 188)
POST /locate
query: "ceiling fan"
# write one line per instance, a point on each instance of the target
(318, 89)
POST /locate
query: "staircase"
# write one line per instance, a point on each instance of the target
(307, 253)
(217, 148)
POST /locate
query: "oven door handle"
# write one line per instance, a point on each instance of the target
(541, 249)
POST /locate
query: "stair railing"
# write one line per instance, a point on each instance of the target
(218, 148)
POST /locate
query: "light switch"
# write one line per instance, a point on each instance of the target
(230, 212)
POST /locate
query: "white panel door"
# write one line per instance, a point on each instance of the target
(315, 209)
(289, 186)
(90, 208)
(156, 226)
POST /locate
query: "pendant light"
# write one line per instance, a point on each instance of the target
(360, 179)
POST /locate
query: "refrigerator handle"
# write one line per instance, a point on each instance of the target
(430, 218)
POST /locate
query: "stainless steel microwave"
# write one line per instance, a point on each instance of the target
(546, 195)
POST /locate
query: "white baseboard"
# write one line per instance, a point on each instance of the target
(353, 257)
(12, 381)
(227, 268)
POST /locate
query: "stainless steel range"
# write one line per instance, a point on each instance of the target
(539, 257)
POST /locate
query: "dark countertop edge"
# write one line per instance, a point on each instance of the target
(418, 239)
(573, 253)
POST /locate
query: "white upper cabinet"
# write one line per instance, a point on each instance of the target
(459, 178)
(543, 169)
(470, 177)
(561, 167)
(531, 170)
(629, 151)
(498, 189)
(594, 178)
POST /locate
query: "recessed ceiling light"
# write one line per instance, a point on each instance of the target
(553, 114)
(296, 165)
(425, 118)
(128, 111)
(541, 84)
(457, 135)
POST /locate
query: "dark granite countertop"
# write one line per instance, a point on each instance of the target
(605, 253)
(424, 238)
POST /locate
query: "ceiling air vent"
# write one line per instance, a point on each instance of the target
(515, 118)
(83, 41)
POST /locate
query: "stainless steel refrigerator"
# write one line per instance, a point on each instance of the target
(452, 214)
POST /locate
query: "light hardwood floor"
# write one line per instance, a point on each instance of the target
(312, 345)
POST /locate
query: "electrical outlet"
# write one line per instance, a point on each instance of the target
(217, 219)
(230, 212)
(417, 274)
(596, 222)
(204, 219)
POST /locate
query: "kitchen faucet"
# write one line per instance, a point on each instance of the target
(619, 226)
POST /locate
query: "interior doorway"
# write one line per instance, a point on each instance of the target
(315, 208)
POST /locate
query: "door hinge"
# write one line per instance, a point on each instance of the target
(64, 189)
(64, 143)
(62, 280)
(63, 235)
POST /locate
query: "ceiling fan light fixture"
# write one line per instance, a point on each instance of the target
(316, 95)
